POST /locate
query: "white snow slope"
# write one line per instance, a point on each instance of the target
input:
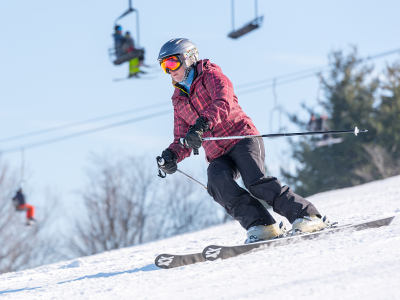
(359, 265)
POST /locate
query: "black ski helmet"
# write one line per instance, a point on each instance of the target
(184, 48)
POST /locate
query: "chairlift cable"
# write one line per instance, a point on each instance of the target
(307, 72)
(84, 122)
(42, 143)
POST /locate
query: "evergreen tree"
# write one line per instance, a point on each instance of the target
(385, 151)
(349, 102)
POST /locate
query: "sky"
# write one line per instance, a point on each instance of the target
(55, 70)
(349, 265)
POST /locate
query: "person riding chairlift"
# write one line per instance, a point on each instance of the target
(21, 205)
(125, 44)
(134, 64)
(318, 123)
(119, 41)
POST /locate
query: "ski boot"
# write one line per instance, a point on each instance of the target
(309, 224)
(30, 222)
(265, 232)
(135, 75)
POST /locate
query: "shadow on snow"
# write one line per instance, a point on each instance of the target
(151, 267)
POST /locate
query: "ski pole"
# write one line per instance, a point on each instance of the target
(191, 178)
(161, 162)
(182, 141)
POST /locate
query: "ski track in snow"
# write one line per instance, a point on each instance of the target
(359, 265)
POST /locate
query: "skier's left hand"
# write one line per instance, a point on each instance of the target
(169, 164)
(194, 137)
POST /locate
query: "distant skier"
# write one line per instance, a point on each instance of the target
(205, 105)
(21, 205)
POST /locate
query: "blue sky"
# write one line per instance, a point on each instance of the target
(55, 70)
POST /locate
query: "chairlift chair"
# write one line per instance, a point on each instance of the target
(128, 56)
(254, 24)
(135, 53)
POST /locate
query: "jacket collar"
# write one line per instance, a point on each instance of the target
(198, 73)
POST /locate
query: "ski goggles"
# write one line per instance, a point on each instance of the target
(171, 63)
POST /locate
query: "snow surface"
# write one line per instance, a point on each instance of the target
(360, 265)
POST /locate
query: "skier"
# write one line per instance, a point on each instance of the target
(205, 105)
(21, 205)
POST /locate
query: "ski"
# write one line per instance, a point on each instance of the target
(168, 261)
(214, 252)
(328, 142)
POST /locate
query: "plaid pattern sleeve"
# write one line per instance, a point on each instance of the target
(180, 130)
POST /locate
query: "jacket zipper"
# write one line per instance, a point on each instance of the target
(189, 101)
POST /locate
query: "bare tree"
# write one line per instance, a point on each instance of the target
(125, 203)
(383, 162)
(116, 205)
(186, 207)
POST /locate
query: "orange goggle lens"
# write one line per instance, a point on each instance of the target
(171, 63)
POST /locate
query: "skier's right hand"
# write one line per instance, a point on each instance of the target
(167, 162)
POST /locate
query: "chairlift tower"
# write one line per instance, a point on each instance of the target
(276, 109)
(254, 24)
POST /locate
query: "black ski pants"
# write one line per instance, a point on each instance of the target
(246, 159)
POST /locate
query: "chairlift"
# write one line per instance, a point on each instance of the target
(137, 52)
(254, 24)
(318, 122)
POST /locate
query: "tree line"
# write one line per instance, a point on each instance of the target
(124, 203)
(355, 94)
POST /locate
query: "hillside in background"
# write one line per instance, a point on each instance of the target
(358, 265)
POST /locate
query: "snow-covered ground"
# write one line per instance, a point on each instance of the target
(360, 265)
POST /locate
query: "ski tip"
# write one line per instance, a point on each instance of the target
(211, 252)
(164, 261)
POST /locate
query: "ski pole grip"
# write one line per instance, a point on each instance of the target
(182, 142)
(161, 161)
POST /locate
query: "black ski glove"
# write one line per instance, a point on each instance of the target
(167, 162)
(194, 136)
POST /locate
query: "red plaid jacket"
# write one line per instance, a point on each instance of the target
(211, 97)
